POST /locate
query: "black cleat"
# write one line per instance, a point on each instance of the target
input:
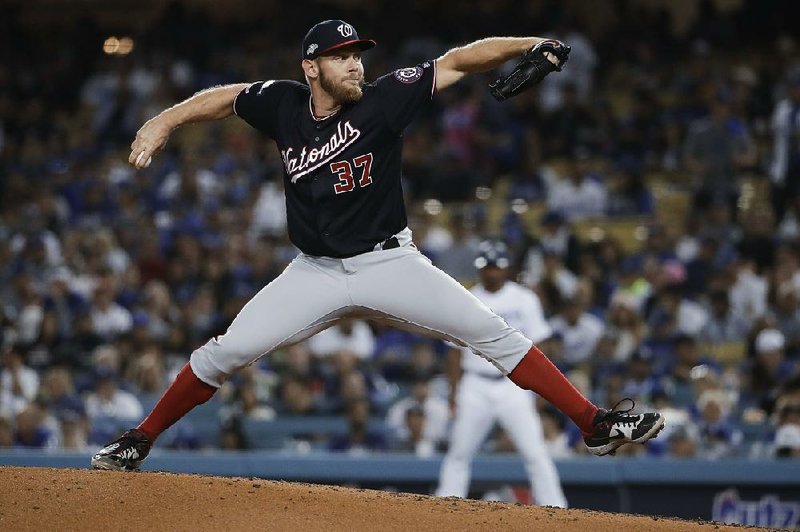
(124, 454)
(614, 428)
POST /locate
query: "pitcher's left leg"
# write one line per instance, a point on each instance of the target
(402, 285)
(408, 289)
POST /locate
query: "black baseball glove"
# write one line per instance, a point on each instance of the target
(531, 69)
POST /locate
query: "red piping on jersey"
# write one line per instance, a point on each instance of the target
(314, 115)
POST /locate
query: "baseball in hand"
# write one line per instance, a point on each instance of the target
(146, 164)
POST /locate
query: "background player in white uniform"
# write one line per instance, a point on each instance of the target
(341, 141)
(483, 395)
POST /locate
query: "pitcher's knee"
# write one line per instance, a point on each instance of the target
(219, 358)
(505, 352)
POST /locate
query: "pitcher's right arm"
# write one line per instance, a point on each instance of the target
(215, 103)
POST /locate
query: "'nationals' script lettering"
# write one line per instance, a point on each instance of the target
(308, 160)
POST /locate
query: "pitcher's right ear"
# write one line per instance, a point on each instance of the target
(310, 68)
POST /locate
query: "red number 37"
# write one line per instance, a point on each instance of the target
(345, 171)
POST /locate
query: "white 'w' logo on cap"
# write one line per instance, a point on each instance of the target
(345, 29)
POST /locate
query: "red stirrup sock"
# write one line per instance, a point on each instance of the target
(535, 372)
(184, 394)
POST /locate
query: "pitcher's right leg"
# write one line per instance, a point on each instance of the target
(309, 296)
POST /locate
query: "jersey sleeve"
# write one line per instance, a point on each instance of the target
(405, 91)
(258, 104)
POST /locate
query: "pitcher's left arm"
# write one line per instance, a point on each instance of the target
(480, 56)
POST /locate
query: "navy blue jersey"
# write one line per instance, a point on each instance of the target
(342, 172)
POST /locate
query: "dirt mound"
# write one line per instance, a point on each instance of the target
(74, 499)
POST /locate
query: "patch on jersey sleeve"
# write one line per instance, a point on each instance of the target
(408, 75)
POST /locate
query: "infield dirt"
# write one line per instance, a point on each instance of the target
(75, 499)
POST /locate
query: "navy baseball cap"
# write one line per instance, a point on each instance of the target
(329, 35)
(492, 253)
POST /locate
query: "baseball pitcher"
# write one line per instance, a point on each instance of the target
(340, 140)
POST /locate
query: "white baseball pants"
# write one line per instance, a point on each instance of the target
(480, 401)
(398, 285)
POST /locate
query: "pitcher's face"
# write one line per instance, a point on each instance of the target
(341, 75)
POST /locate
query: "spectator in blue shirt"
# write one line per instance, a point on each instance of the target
(31, 429)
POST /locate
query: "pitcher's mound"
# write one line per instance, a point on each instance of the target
(76, 499)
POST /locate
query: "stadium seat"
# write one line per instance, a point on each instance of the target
(672, 207)
(728, 354)
(629, 231)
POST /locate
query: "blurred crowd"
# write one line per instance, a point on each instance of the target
(110, 277)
